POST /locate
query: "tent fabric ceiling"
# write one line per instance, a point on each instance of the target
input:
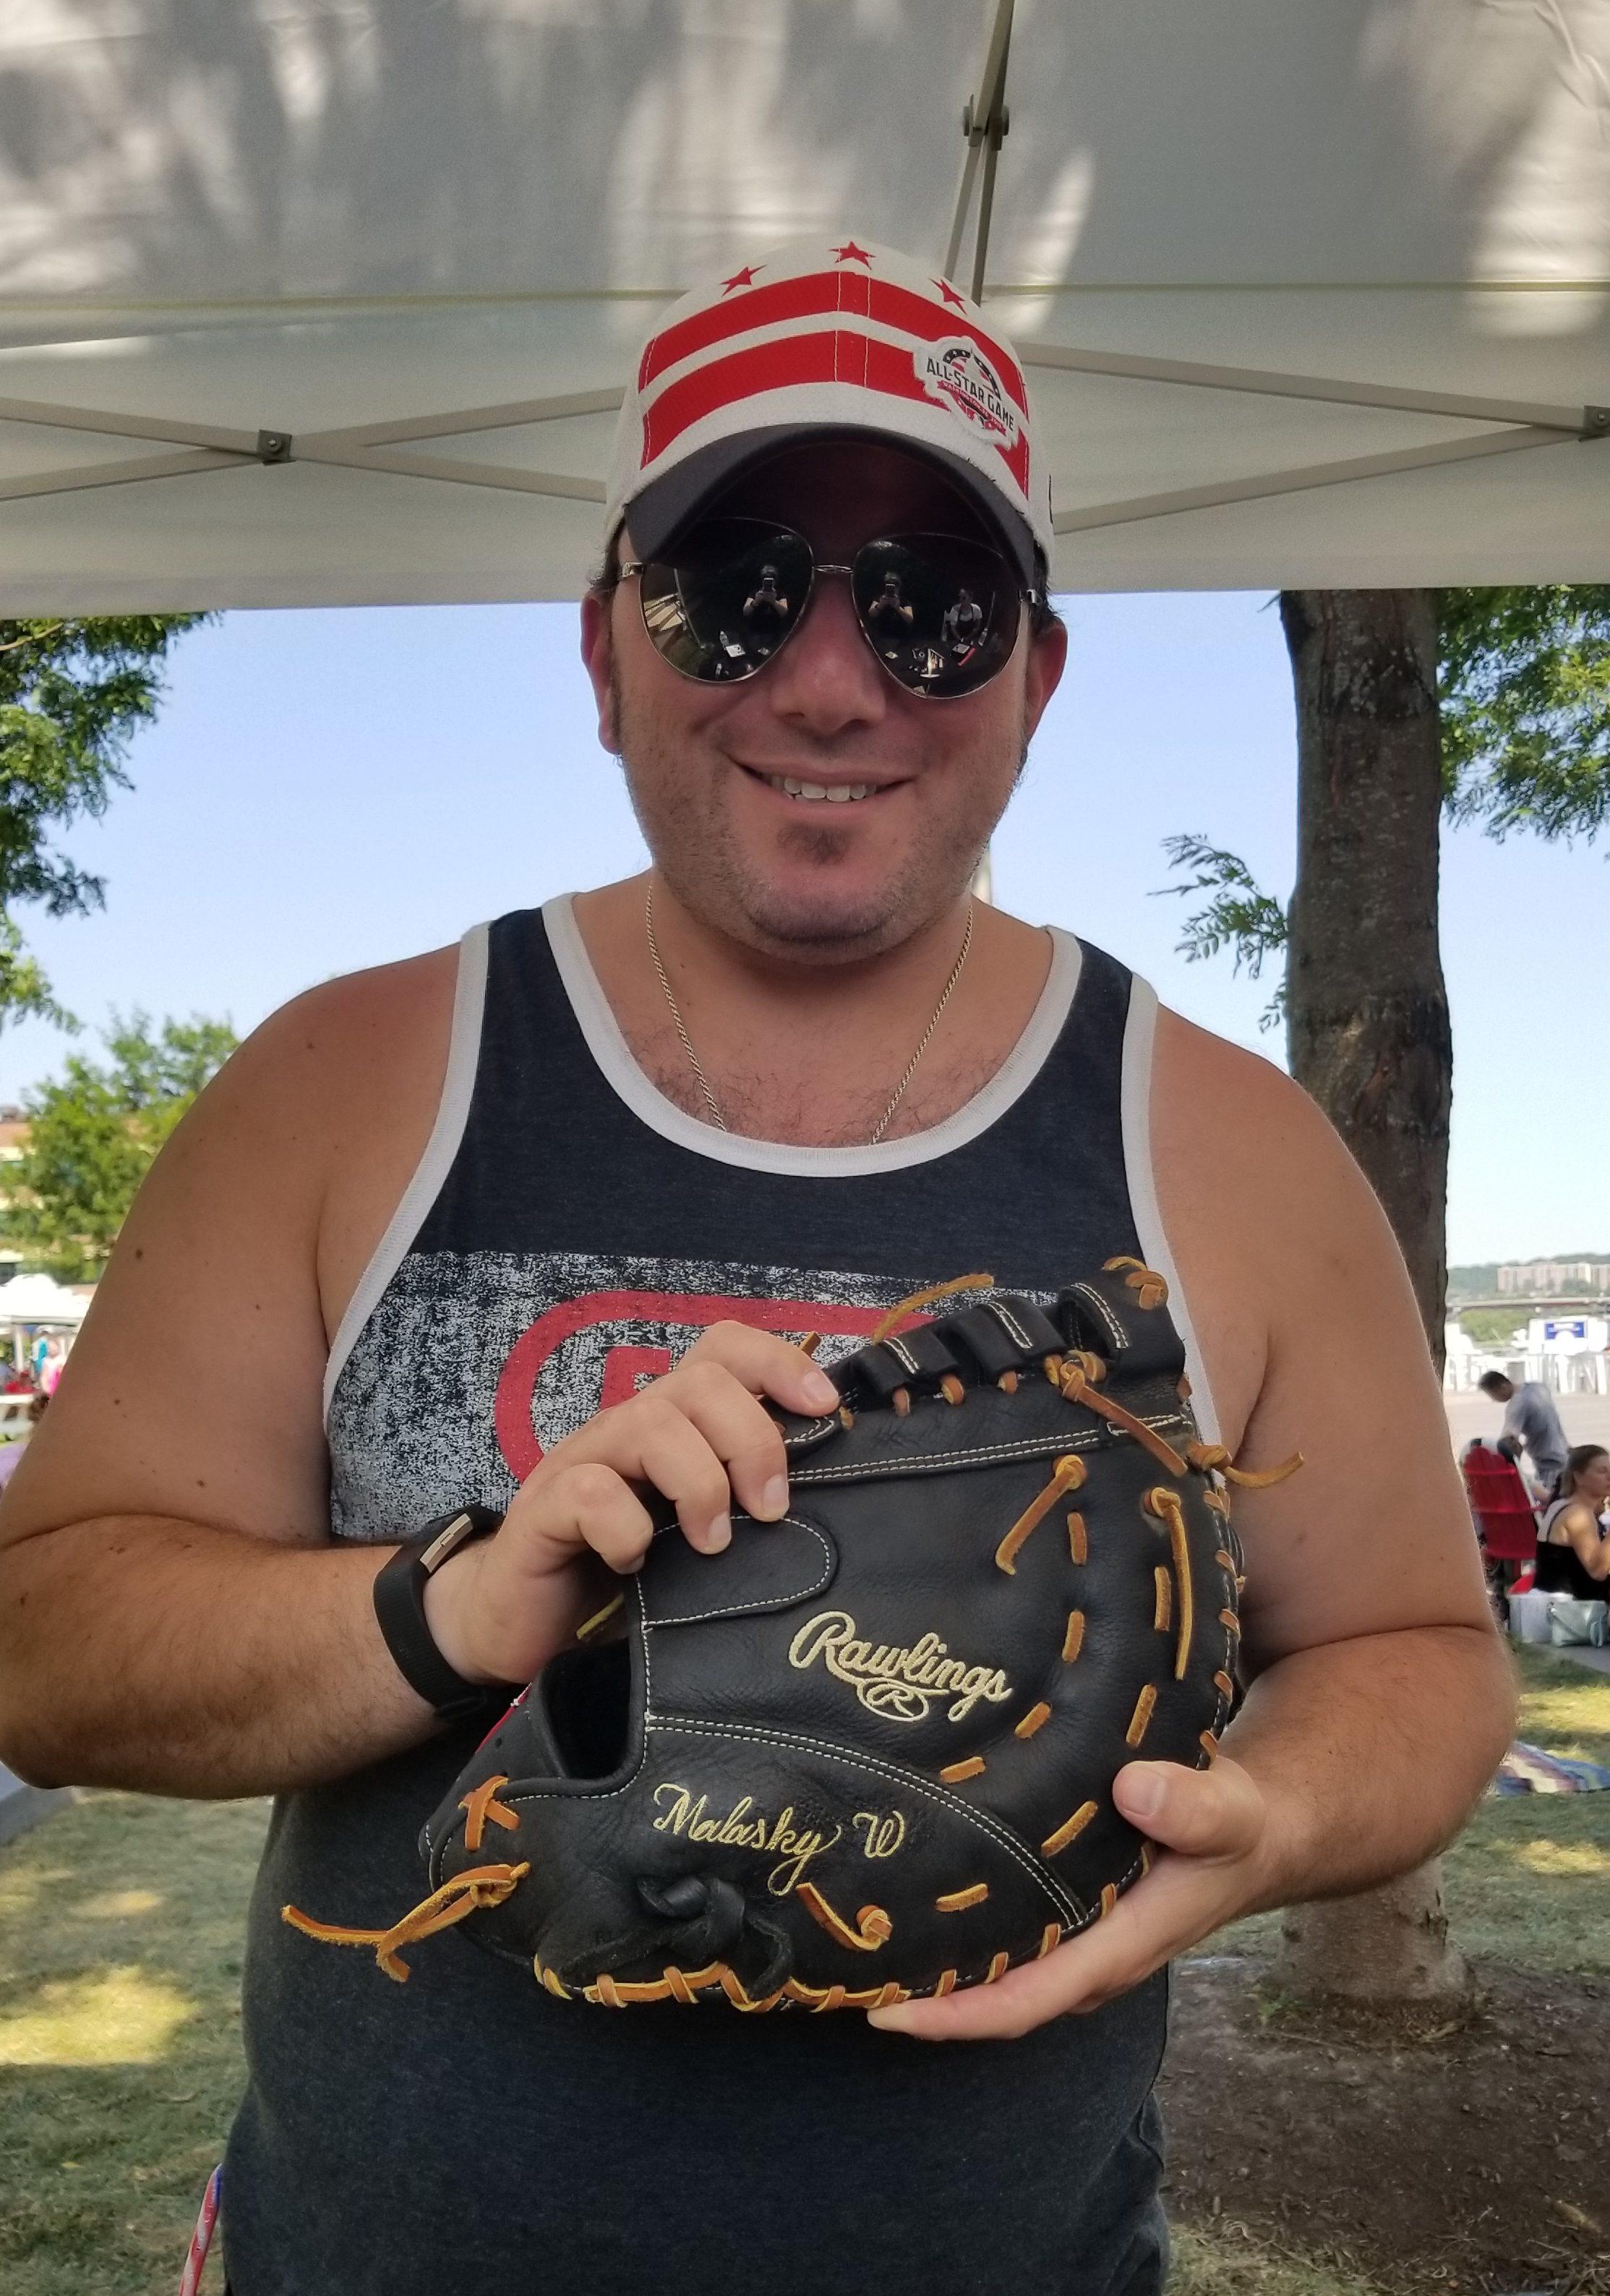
(358, 283)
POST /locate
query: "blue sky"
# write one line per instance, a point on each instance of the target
(327, 790)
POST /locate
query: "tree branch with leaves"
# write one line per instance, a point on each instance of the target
(94, 1133)
(73, 694)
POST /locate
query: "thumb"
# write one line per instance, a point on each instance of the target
(1214, 1813)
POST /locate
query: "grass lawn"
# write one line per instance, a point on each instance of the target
(1514, 1842)
(120, 1927)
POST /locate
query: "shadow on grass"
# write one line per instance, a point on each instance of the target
(121, 1922)
(1526, 1879)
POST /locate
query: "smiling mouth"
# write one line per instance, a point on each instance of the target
(817, 792)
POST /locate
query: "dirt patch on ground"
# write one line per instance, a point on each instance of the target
(1434, 2148)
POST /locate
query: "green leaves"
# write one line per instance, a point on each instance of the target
(1523, 689)
(94, 1133)
(1240, 918)
(1525, 685)
(73, 694)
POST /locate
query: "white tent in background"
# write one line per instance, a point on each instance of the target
(35, 1299)
(324, 301)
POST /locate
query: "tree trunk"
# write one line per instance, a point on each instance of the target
(1368, 1037)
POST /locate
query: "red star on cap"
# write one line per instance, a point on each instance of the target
(949, 294)
(744, 278)
(850, 253)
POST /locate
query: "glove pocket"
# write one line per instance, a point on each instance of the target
(745, 1864)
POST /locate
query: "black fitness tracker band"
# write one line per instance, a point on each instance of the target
(399, 1605)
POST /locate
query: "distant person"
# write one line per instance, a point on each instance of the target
(1531, 1424)
(1572, 1545)
(963, 621)
(10, 1452)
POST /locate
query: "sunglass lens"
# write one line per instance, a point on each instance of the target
(725, 595)
(941, 611)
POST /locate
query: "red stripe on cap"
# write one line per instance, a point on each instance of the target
(812, 295)
(824, 355)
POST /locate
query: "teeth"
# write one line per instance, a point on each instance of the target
(816, 794)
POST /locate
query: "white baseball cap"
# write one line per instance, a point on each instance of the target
(821, 337)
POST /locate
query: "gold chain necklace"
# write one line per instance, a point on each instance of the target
(713, 1105)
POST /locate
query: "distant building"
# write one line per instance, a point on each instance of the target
(1568, 1353)
(1537, 1278)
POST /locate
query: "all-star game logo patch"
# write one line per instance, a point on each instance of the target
(957, 373)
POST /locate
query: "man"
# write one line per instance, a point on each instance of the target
(623, 1153)
(1531, 1425)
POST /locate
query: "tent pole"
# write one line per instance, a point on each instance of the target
(1192, 374)
(456, 471)
(121, 474)
(984, 121)
(1300, 480)
(460, 424)
(53, 417)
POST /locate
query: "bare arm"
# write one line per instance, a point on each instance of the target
(1593, 1546)
(173, 1615)
(1381, 1696)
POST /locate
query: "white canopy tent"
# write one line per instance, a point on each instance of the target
(329, 301)
(40, 1299)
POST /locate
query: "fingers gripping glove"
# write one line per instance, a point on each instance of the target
(867, 1753)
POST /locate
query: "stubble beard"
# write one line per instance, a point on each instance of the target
(694, 850)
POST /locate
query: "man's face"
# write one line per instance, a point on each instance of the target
(818, 877)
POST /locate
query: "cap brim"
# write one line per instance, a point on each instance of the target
(665, 505)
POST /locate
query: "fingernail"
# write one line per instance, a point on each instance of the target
(1142, 1795)
(774, 1498)
(888, 2021)
(719, 1534)
(821, 1391)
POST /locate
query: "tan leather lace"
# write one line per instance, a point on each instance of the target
(467, 1893)
(1213, 1458)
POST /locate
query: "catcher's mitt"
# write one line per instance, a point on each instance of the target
(867, 1753)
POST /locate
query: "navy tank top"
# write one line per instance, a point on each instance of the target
(568, 1235)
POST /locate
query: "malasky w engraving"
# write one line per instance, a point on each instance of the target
(744, 1827)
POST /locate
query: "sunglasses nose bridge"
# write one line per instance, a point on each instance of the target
(848, 628)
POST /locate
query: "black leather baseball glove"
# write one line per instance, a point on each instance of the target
(867, 1753)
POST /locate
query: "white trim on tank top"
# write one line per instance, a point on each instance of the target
(608, 1047)
(1139, 1038)
(452, 1114)
(610, 1050)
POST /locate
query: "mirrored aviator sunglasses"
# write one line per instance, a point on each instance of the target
(939, 610)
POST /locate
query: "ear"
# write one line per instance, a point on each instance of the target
(1047, 659)
(598, 655)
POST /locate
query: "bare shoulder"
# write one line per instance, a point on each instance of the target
(1257, 1194)
(196, 1385)
(1312, 1341)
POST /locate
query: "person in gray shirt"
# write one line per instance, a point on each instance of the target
(1531, 1424)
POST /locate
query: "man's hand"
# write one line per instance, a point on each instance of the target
(1214, 1863)
(699, 1436)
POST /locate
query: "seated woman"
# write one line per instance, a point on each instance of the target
(1572, 1547)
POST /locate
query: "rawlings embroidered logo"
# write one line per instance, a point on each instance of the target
(900, 1685)
(957, 373)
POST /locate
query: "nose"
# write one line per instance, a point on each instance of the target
(824, 683)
